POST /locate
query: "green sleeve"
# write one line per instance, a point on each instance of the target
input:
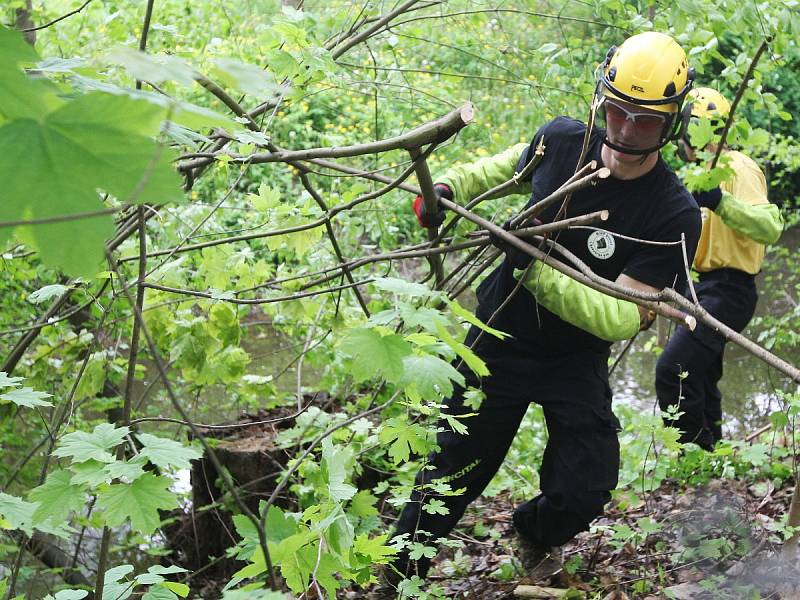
(761, 223)
(608, 318)
(473, 179)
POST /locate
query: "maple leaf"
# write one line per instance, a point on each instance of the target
(138, 501)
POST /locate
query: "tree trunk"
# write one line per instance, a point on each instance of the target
(24, 21)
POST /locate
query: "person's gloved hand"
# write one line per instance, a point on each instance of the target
(517, 258)
(432, 220)
(710, 198)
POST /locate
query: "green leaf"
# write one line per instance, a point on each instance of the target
(71, 594)
(6, 381)
(159, 592)
(114, 587)
(170, 570)
(404, 437)
(68, 595)
(249, 534)
(138, 501)
(166, 453)
(463, 313)
(94, 376)
(57, 497)
(26, 397)
(257, 566)
(422, 316)
(297, 566)
(430, 376)
(90, 472)
(336, 462)
(246, 78)
(266, 199)
(114, 574)
(21, 96)
(54, 64)
(78, 146)
(375, 548)
(181, 589)
(154, 68)
(701, 132)
(182, 113)
(467, 355)
(253, 594)
(375, 355)
(435, 506)
(130, 469)
(14, 49)
(47, 292)
(252, 137)
(279, 526)
(18, 514)
(82, 446)
(363, 505)
(148, 579)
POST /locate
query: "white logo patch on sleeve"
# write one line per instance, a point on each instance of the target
(601, 244)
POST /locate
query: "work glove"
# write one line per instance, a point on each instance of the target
(516, 258)
(710, 198)
(432, 220)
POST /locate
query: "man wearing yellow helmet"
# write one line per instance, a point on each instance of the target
(738, 221)
(561, 329)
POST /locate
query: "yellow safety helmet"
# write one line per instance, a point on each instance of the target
(649, 70)
(708, 103)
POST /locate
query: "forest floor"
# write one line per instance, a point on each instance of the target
(716, 541)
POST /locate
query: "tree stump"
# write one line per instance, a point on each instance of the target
(204, 531)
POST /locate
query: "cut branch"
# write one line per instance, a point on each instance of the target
(433, 132)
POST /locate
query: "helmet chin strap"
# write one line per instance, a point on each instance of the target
(633, 151)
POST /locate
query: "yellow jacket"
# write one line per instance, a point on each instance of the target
(734, 235)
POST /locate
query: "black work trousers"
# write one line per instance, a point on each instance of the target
(580, 465)
(730, 296)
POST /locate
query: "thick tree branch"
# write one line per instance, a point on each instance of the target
(433, 132)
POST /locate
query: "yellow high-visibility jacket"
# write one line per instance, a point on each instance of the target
(734, 235)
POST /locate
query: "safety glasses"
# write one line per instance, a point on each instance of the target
(646, 122)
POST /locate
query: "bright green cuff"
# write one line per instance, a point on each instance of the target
(761, 223)
(608, 318)
(470, 180)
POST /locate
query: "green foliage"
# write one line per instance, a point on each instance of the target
(166, 454)
(85, 129)
(16, 513)
(57, 497)
(403, 438)
(82, 446)
(118, 585)
(76, 138)
(375, 354)
(138, 501)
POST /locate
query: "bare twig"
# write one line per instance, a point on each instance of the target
(200, 294)
(63, 218)
(348, 43)
(61, 18)
(742, 87)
